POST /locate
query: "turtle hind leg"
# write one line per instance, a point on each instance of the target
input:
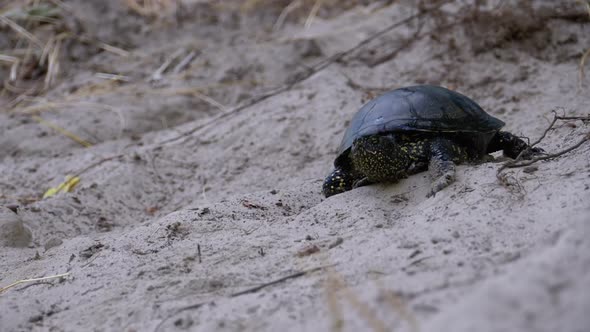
(338, 182)
(511, 145)
(443, 156)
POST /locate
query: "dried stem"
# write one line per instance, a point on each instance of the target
(16, 283)
(518, 162)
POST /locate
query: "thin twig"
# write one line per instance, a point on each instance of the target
(158, 74)
(184, 62)
(551, 155)
(517, 162)
(338, 56)
(109, 48)
(274, 282)
(209, 101)
(528, 149)
(91, 166)
(286, 11)
(113, 77)
(2, 289)
(247, 291)
(409, 41)
(14, 61)
(62, 131)
(582, 118)
(312, 14)
(555, 118)
(21, 31)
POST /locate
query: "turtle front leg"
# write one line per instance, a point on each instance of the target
(443, 155)
(511, 145)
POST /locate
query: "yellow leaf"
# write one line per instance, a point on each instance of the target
(70, 183)
(66, 186)
(50, 192)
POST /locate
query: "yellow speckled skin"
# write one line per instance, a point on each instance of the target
(379, 158)
(338, 182)
(388, 158)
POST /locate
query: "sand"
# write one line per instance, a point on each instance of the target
(169, 231)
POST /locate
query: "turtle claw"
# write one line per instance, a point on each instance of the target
(533, 152)
(441, 183)
(441, 166)
(488, 158)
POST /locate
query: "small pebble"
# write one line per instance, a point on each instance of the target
(530, 169)
(13, 232)
(54, 242)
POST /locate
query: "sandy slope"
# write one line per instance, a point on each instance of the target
(245, 190)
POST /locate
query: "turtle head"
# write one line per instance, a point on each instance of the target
(379, 157)
(337, 182)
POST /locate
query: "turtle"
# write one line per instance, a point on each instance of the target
(417, 128)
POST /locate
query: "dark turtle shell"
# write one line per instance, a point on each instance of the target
(423, 108)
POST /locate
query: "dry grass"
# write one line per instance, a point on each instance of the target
(152, 8)
(304, 11)
(30, 52)
(37, 31)
(16, 283)
(62, 131)
(39, 38)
